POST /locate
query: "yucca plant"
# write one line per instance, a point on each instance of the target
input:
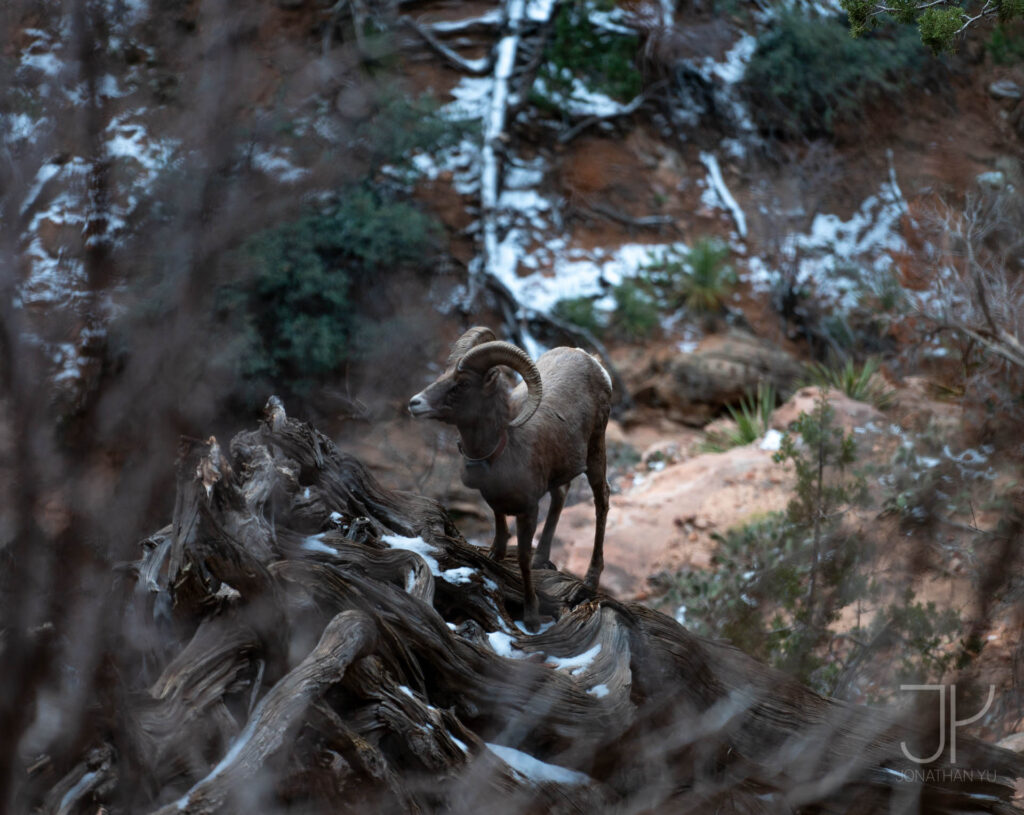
(700, 279)
(752, 416)
(710, 280)
(856, 381)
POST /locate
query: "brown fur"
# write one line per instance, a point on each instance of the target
(565, 437)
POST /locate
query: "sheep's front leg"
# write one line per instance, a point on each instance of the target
(526, 525)
(540, 560)
(500, 537)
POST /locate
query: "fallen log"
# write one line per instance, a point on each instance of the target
(302, 639)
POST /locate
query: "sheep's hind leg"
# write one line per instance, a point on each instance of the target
(542, 557)
(500, 537)
(526, 525)
(597, 477)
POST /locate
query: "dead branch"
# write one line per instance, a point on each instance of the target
(474, 67)
(374, 663)
(347, 637)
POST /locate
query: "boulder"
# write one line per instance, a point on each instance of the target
(849, 413)
(694, 387)
(1005, 89)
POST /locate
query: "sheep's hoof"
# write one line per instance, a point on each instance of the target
(592, 579)
(531, 616)
(542, 564)
(496, 554)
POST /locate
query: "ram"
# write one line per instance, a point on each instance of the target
(519, 443)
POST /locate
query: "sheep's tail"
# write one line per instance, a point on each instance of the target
(604, 371)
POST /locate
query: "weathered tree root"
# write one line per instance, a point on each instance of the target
(302, 639)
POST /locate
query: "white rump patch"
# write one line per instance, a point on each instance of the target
(597, 362)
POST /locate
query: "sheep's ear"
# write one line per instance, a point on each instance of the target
(492, 379)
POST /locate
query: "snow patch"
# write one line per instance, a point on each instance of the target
(463, 574)
(600, 691)
(833, 255)
(417, 545)
(501, 644)
(717, 183)
(540, 630)
(535, 770)
(277, 164)
(772, 441)
(315, 543)
(577, 664)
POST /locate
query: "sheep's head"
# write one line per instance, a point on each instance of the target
(467, 388)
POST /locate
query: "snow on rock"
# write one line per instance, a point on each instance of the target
(717, 183)
(277, 163)
(600, 691)
(535, 770)
(463, 574)
(540, 629)
(833, 249)
(772, 440)
(417, 545)
(130, 139)
(581, 100)
(501, 644)
(315, 543)
(577, 664)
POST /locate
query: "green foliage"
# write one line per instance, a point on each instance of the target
(808, 74)
(939, 27)
(401, 127)
(938, 24)
(293, 307)
(752, 417)
(700, 280)
(859, 12)
(777, 585)
(1004, 47)
(822, 445)
(925, 633)
(636, 312)
(710, 280)
(579, 311)
(859, 382)
(579, 49)
(1010, 10)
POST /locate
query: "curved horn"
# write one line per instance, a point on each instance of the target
(489, 354)
(475, 336)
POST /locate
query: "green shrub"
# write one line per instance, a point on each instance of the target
(401, 127)
(579, 311)
(778, 585)
(1006, 44)
(292, 306)
(710, 280)
(856, 381)
(636, 313)
(939, 27)
(577, 49)
(808, 74)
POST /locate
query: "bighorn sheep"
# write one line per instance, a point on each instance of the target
(518, 444)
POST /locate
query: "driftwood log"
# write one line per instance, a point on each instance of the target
(300, 639)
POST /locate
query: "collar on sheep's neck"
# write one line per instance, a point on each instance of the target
(499, 448)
